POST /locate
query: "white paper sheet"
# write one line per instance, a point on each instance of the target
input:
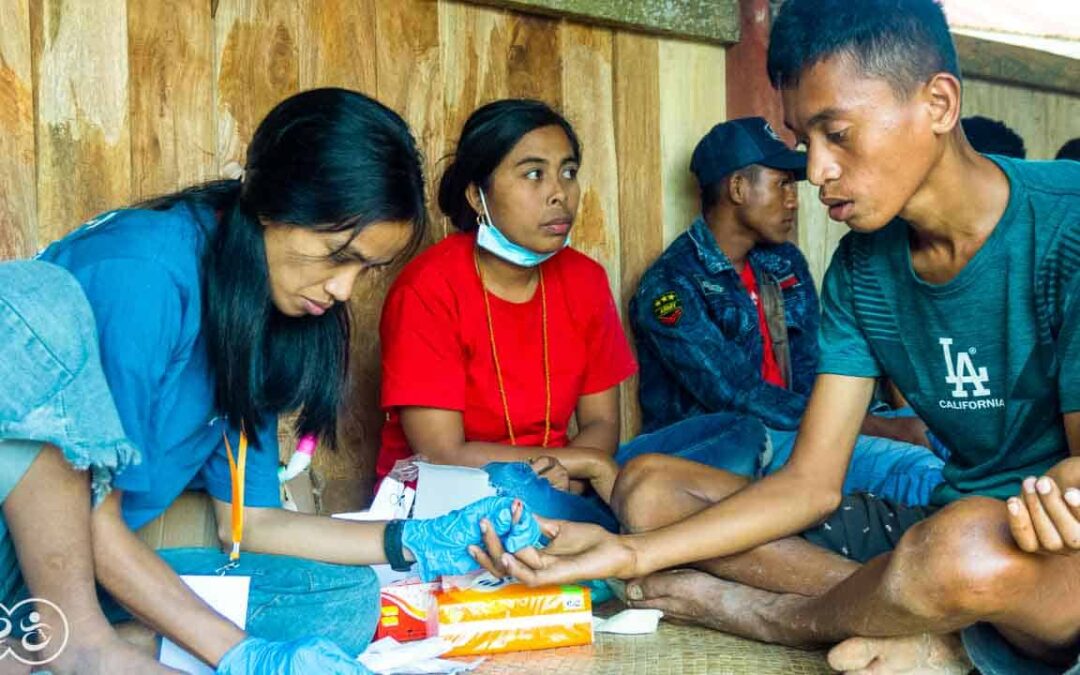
(441, 489)
(227, 595)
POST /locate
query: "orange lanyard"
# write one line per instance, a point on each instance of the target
(236, 474)
(495, 355)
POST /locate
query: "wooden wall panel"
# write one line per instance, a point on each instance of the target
(18, 190)
(535, 60)
(692, 100)
(410, 77)
(337, 44)
(475, 45)
(638, 155)
(588, 101)
(83, 141)
(171, 55)
(256, 65)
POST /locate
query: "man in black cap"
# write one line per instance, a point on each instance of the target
(726, 321)
(719, 294)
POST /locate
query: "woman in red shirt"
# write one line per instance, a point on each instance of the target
(494, 337)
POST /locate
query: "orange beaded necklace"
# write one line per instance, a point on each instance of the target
(495, 354)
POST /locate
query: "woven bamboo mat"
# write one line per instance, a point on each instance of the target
(672, 649)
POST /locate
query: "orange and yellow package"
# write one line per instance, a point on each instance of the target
(510, 617)
(407, 609)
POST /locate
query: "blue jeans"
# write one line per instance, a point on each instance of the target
(901, 472)
(289, 598)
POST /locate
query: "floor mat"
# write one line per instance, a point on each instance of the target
(672, 649)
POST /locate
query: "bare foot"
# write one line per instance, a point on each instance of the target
(925, 653)
(113, 656)
(694, 597)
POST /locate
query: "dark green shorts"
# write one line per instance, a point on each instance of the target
(865, 526)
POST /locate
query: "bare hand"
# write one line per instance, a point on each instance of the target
(576, 552)
(551, 470)
(1045, 519)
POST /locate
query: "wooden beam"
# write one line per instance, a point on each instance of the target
(1031, 68)
(18, 165)
(707, 20)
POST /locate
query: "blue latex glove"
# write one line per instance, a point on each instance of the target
(255, 656)
(441, 544)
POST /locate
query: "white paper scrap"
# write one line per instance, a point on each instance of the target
(629, 622)
(228, 596)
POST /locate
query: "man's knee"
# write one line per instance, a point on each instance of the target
(641, 482)
(960, 563)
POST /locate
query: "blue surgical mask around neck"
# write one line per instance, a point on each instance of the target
(492, 240)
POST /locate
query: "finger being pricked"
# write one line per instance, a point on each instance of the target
(1061, 513)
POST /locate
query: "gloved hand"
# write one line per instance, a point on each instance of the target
(255, 656)
(440, 545)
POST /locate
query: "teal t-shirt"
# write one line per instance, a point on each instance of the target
(989, 360)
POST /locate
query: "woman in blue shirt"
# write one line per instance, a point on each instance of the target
(219, 307)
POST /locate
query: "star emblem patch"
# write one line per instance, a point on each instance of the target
(667, 309)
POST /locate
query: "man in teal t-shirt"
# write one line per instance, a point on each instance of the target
(961, 282)
(980, 357)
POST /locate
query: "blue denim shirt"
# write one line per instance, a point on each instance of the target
(698, 337)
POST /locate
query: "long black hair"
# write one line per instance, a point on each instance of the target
(329, 160)
(489, 134)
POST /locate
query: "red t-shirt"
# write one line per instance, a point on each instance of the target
(436, 350)
(770, 370)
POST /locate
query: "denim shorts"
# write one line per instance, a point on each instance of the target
(52, 387)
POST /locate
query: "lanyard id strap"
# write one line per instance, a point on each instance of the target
(237, 468)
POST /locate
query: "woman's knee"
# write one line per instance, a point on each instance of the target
(338, 602)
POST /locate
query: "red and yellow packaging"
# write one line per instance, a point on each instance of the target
(407, 610)
(510, 617)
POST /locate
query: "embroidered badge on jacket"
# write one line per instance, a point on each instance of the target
(667, 309)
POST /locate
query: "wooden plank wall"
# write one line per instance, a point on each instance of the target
(1044, 120)
(107, 101)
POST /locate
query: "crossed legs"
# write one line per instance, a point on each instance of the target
(956, 568)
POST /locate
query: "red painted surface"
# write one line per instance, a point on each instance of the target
(748, 90)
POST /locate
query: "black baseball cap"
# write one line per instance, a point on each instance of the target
(735, 144)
